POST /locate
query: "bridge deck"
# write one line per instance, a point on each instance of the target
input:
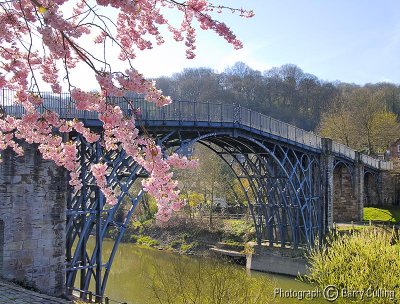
(196, 114)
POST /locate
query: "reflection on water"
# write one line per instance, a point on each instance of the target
(133, 267)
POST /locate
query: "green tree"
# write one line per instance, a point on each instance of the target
(212, 179)
(193, 201)
(337, 124)
(359, 119)
(384, 130)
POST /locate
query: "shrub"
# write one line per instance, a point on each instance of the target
(147, 241)
(133, 238)
(189, 247)
(113, 233)
(368, 259)
(185, 236)
(175, 244)
(238, 231)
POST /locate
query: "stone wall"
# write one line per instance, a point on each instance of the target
(371, 194)
(345, 202)
(390, 189)
(285, 261)
(32, 207)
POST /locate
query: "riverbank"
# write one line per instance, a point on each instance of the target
(190, 236)
(195, 235)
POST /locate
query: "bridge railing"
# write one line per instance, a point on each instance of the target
(276, 127)
(190, 111)
(218, 113)
(386, 165)
(373, 162)
(344, 150)
(376, 163)
(185, 111)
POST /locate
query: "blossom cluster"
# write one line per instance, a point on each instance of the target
(40, 45)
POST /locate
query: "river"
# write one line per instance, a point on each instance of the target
(131, 275)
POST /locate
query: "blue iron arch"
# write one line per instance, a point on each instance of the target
(287, 209)
(283, 181)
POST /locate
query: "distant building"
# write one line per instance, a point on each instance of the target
(394, 156)
(394, 151)
(220, 202)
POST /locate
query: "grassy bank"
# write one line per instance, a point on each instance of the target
(382, 213)
(190, 236)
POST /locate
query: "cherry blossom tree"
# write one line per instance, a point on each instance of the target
(43, 41)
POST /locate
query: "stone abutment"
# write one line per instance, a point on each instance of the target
(32, 221)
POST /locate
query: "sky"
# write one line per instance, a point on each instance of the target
(356, 41)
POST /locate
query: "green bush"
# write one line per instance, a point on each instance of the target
(113, 233)
(238, 231)
(365, 260)
(147, 241)
(175, 244)
(136, 225)
(189, 247)
(133, 238)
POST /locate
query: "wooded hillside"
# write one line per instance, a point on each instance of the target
(363, 117)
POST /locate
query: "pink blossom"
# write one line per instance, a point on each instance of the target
(2, 82)
(49, 43)
(181, 162)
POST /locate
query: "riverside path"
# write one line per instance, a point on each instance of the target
(13, 294)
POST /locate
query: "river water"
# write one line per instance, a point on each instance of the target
(134, 267)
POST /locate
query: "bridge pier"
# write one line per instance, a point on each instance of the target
(359, 188)
(32, 221)
(327, 167)
(343, 187)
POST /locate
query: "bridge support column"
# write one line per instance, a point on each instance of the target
(359, 186)
(327, 167)
(32, 213)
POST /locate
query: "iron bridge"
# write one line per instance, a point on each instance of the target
(281, 168)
